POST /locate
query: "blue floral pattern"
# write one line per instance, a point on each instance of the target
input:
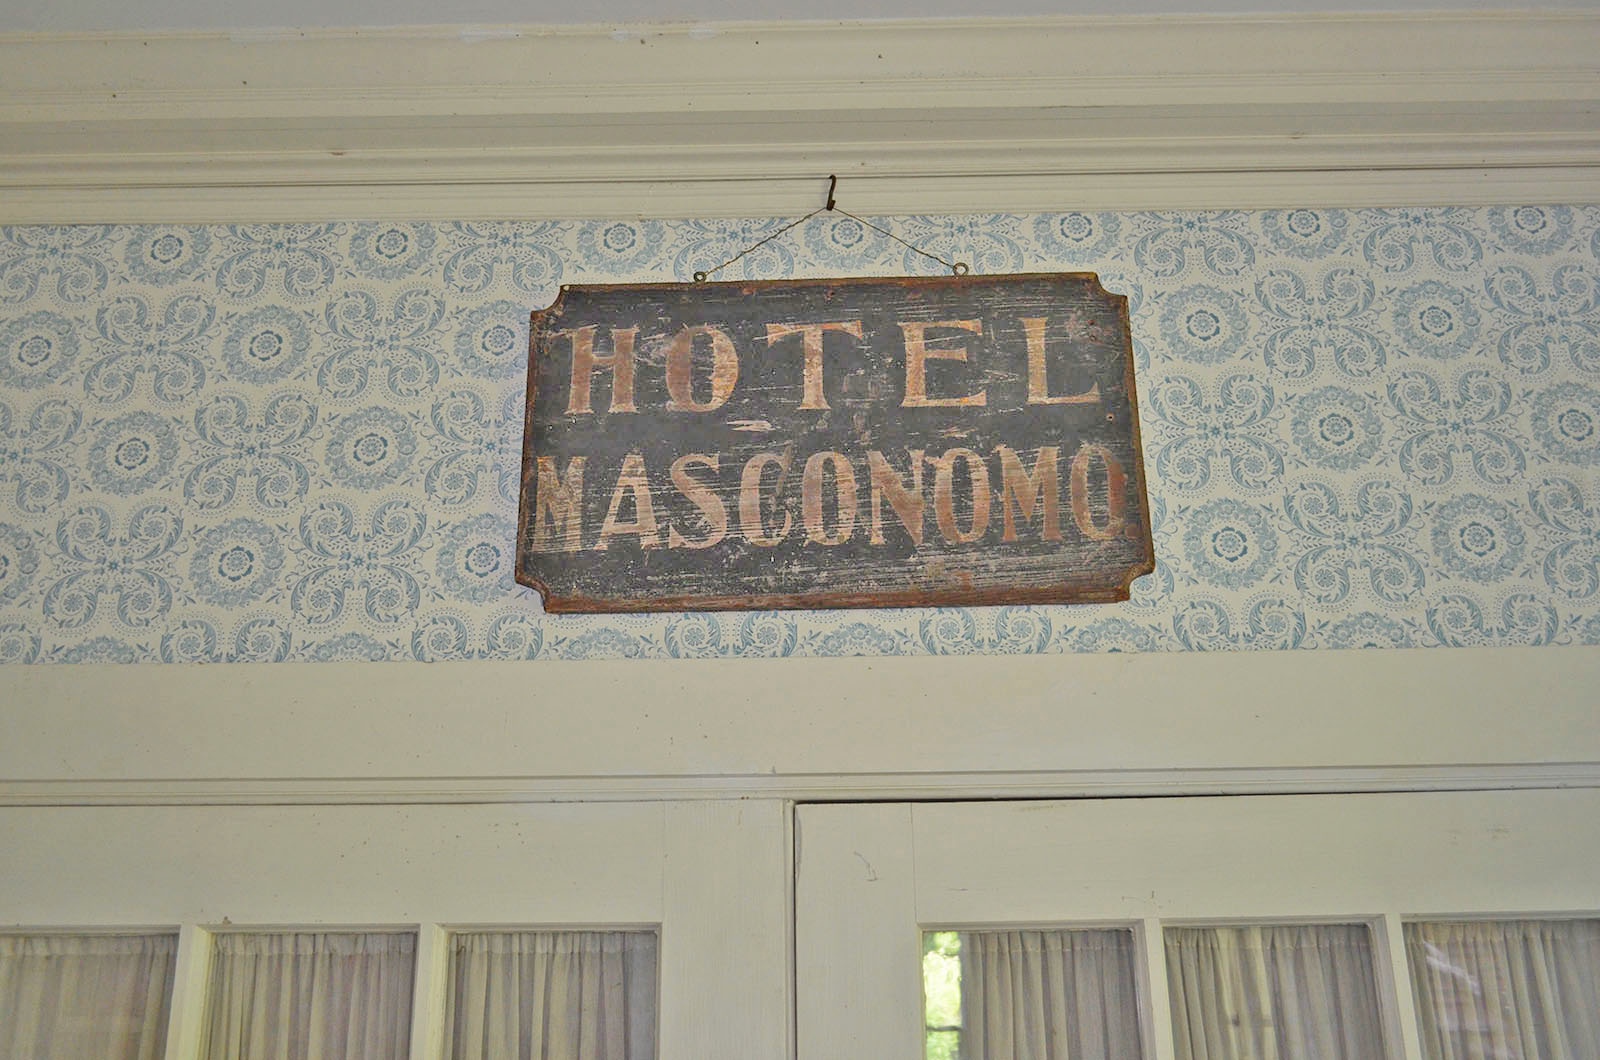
(1218, 244)
(986, 242)
(36, 454)
(1078, 239)
(1547, 321)
(234, 445)
(1462, 620)
(1566, 421)
(1234, 430)
(1204, 324)
(1436, 320)
(237, 563)
(1305, 234)
(1477, 537)
(37, 350)
(301, 442)
(1536, 230)
(472, 444)
(18, 644)
(1343, 538)
(19, 562)
(476, 561)
(295, 262)
(1315, 320)
(1369, 629)
(1473, 423)
(1571, 524)
(342, 554)
(613, 247)
(1400, 240)
(1336, 428)
(98, 560)
(266, 345)
(371, 449)
(164, 342)
(133, 453)
(1270, 622)
(399, 334)
(1230, 543)
(77, 257)
(492, 340)
(391, 251)
(520, 258)
(162, 255)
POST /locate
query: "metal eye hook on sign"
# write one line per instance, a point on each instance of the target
(957, 268)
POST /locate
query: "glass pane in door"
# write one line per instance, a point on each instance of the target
(1507, 989)
(1270, 992)
(552, 995)
(67, 996)
(1052, 994)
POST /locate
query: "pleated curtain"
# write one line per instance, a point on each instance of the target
(1507, 990)
(310, 996)
(1304, 992)
(1049, 995)
(552, 995)
(70, 997)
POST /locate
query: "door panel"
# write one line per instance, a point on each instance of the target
(709, 876)
(870, 879)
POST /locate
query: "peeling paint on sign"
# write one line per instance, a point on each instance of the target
(832, 443)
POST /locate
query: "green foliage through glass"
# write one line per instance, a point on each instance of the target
(941, 994)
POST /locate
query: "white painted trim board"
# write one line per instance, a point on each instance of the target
(915, 116)
(971, 727)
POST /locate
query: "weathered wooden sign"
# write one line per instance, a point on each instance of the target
(832, 443)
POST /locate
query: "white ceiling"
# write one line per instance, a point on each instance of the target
(99, 15)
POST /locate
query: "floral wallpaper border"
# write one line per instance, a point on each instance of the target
(1363, 428)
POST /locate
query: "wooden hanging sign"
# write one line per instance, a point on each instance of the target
(832, 443)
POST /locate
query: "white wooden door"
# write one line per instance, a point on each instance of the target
(872, 878)
(708, 876)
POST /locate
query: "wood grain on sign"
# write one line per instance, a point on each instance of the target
(832, 443)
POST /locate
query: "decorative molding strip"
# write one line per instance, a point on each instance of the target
(884, 728)
(741, 119)
(845, 787)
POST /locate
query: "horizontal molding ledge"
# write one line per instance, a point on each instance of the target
(1017, 115)
(817, 788)
(180, 203)
(819, 729)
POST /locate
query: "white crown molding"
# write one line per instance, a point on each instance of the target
(1019, 114)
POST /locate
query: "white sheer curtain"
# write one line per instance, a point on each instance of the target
(1274, 993)
(552, 995)
(310, 996)
(1507, 990)
(68, 997)
(1048, 995)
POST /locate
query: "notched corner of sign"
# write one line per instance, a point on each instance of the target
(524, 577)
(1095, 284)
(554, 309)
(1133, 574)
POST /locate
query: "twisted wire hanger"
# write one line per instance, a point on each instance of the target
(957, 268)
